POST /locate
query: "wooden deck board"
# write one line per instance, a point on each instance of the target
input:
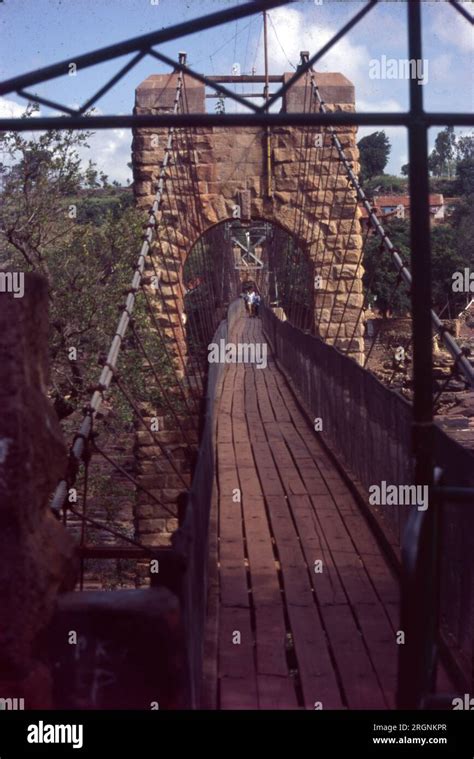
(306, 636)
(236, 659)
(276, 693)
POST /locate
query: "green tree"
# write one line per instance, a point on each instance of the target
(463, 223)
(441, 160)
(384, 293)
(91, 176)
(446, 257)
(385, 184)
(87, 262)
(374, 152)
(465, 176)
(39, 175)
(452, 250)
(465, 147)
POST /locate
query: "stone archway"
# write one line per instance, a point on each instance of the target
(228, 169)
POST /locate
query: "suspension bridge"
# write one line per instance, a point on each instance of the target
(242, 486)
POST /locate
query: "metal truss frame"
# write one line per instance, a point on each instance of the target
(142, 46)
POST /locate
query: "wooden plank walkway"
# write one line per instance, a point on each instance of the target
(307, 606)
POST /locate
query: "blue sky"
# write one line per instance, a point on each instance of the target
(36, 33)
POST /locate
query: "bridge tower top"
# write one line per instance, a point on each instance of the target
(288, 176)
(157, 91)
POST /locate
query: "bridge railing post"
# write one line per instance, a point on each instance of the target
(417, 657)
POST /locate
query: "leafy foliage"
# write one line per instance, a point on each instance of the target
(374, 152)
(465, 176)
(454, 157)
(380, 275)
(441, 159)
(85, 245)
(386, 184)
(452, 250)
(447, 257)
(452, 161)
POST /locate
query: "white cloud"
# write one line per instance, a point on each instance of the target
(442, 68)
(110, 149)
(389, 105)
(9, 109)
(295, 33)
(451, 27)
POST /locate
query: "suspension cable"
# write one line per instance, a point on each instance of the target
(452, 346)
(77, 449)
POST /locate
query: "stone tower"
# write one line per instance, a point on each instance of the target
(311, 199)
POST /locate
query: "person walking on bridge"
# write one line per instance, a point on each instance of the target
(245, 297)
(256, 304)
(251, 299)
